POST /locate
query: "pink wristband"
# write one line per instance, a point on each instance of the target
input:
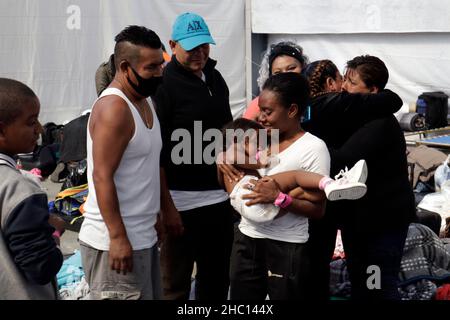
(283, 200)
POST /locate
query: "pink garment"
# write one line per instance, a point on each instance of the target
(252, 111)
(339, 248)
(37, 172)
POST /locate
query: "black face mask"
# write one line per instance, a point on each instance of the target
(145, 87)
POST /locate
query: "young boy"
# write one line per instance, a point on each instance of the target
(30, 258)
(349, 184)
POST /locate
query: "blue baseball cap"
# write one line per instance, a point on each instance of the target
(190, 31)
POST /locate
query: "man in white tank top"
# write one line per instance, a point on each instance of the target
(118, 237)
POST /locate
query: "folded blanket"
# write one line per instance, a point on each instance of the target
(421, 290)
(340, 285)
(424, 256)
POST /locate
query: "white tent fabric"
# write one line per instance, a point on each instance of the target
(412, 37)
(55, 46)
(416, 62)
(350, 16)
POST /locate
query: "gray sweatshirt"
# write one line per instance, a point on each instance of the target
(29, 256)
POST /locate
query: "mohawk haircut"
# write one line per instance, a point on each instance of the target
(130, 39)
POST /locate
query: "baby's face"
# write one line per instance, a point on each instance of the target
(250, 149)
(241, 151)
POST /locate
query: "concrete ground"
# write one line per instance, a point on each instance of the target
(69, 240)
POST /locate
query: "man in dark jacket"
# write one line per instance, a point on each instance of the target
(192, 99)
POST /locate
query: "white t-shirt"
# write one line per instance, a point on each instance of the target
(307, 153)
(188, 200)
(257, 213)
(137, 181)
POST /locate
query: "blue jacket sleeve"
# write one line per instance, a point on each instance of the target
(30, 241)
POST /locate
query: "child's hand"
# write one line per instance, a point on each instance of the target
(265, 190)
(58, 223)
(230, 172)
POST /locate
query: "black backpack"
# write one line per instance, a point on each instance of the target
(434, 106)
(52, 133)
(73, 146)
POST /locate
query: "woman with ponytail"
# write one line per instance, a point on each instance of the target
(358, 124)
(334, 115)
(324, 77)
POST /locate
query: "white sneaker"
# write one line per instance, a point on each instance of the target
(343, 189)
(358, 173)
(348, 184)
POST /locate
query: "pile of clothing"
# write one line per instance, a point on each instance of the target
(425, 265)
(424, 270)
(72, 284)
